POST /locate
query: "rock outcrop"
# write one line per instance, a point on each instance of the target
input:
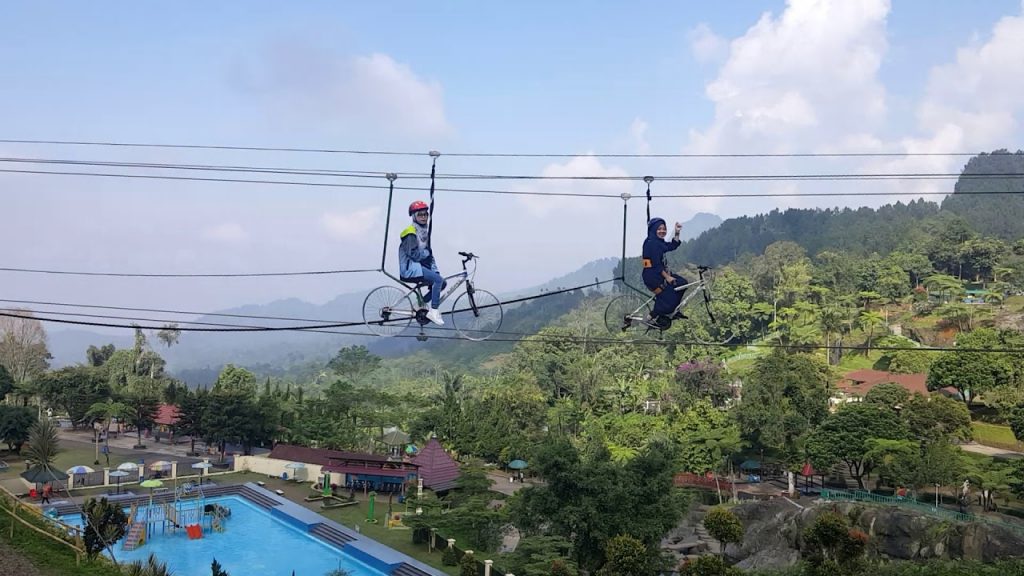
(774, 534)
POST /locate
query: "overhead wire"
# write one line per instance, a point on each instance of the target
(553, 194)
(116, 144)
(540, 337)
(295, 171)
(185, 275)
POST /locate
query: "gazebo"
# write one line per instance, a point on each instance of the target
(438, 470)
(396, 441)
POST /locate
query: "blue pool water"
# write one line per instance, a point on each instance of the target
(253, 543)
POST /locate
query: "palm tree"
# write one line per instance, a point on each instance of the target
(450, 400)
(151, 567)
(43, 444)
(105, 412)
(945, 284)
(870, 320)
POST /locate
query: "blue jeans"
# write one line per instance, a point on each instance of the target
(665, 303)
(436, 286)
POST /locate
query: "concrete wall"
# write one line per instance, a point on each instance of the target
(275, 467)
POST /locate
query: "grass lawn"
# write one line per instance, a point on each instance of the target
(48, 557)
(994, 435)
(857, 361)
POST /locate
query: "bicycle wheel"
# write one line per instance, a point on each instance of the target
(705, 316)
(627, 313)
(476, 316)
(388, 310)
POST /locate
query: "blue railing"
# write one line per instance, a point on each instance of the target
(869, 498)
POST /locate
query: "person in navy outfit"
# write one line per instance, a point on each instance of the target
(656, 275)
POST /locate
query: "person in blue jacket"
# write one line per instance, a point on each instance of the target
(656, 275)
(415, 262)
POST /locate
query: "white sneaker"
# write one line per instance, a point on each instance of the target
(434, 315)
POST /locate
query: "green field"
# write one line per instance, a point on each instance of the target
(994, 435)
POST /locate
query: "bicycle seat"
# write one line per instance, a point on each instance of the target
(416, 281)
(467, 255)
(703, 268)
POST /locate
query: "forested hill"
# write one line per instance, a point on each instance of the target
(998, 215)
(864, 231)
(857, 230)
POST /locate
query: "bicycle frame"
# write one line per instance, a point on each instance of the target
(701, 282)
(464, 277)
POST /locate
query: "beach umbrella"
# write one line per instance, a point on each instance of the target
(203, 466)
(160, 465)
(118, 474)
(80, 470)
(151, 483)
(43, 474)
(295, 466)
(518, 464)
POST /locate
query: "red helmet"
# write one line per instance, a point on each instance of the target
(417, 206)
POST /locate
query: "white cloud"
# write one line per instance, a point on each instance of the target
(706, 46)
(975, 102)
(799, 80)
(308, 82)
(638, 135)
(540, 206)
(227, 232)
(351, 225)
(804, 80)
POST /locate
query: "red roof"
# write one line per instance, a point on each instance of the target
(860, 382)
(438, 470)
(167, 415)
(320, 456)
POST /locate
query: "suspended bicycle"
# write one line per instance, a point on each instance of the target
(476, 314)
(631, 312)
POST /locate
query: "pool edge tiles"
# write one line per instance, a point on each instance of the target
(361, 547)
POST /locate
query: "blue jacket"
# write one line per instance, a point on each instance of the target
(654, 253)
(413, 254)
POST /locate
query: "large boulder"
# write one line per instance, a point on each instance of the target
(773, 536)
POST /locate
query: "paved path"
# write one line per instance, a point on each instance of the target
(500, 483)
(990, 451)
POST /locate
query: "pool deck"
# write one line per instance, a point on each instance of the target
(367, 550)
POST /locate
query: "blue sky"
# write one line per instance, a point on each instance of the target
(566, 77)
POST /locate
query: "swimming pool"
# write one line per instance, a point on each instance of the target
(254, 542)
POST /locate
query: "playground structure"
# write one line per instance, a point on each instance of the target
(189, 512)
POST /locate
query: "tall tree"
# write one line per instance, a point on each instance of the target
(15, 424)
(844, 437)
(784, 396)
(972, 369)
(74, 389)
(354, 363)
(169, 334)
(97, 356)
(6, 383)
(191, 416)
(23, 350)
